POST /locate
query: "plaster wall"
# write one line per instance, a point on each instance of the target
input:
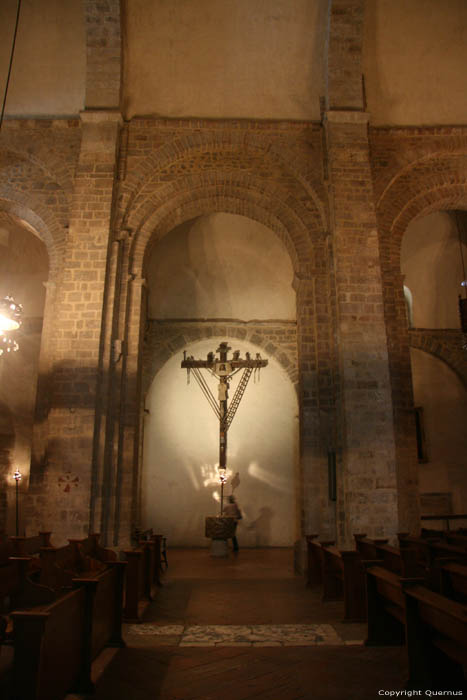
(48, 73)
(444, 400)
(234, 58)
(181, 438)
(414, 58)
(221, 265)
(431, 263)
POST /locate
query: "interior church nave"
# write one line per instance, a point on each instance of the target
(245, 627)
(233, 252)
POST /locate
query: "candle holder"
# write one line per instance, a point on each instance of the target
(17, 478)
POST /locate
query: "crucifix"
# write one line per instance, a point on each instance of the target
(223, 369)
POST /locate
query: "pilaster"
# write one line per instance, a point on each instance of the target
(75, 339)
(368, 497)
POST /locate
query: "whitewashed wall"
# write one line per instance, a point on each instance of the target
(179, 486)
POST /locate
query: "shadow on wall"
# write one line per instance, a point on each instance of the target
(7, 441)
(260, 529)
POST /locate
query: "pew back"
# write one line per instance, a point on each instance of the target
(48, 648)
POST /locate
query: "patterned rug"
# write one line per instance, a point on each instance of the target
(240, 635)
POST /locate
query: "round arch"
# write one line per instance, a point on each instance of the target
(260, 156)
(271, 208)
(447, 347)
(40, 220)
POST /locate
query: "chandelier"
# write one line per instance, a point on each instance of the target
(10, 320)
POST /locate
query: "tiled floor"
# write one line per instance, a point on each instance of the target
(245, 628)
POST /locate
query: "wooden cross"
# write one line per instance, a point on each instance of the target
(224, 369)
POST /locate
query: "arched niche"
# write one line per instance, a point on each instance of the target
(179, 487)
(432, 265)
(220, 266)
(441, 394)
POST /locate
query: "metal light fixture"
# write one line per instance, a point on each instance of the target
(10, 320)
(17, 478)
(7, 344)
(10, 314)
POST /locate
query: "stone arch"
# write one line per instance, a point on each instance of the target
(249, 153)
(430, 184)
(41, 221)
(446, 346)
(44, 158)
(433, 183)
(279, 202)
(270, 207)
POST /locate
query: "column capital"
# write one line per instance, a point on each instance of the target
(137, 280)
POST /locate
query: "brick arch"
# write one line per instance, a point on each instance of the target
(259, 155)
(181, 336)
(390, 164)
(428, 185)
(41, 220)
(431, 184)
(49, 162)
(444, 345)
(267, 207)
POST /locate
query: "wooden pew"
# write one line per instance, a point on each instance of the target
(431, 554)
(403, 562)
(434, 628)
(7, 550)
(54, 646)
(315, 559)
(343, 577)
(436, 634)
(90, 548)
(367, 546)
(60, 565)
(451, 581)
(16, 588)
(27, 546)
(385, 606)
(139, 580)
(143, 574)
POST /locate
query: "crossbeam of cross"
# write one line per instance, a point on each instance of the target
(223, 368)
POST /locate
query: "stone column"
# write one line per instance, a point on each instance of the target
(129, 438)
(64, 473)
(368, 501)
